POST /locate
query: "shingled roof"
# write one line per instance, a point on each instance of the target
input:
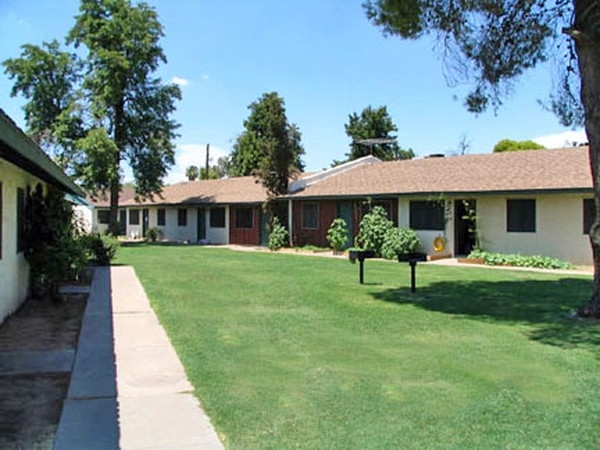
(564, 170)
(511, 172)
(224, 191)
(19, 149)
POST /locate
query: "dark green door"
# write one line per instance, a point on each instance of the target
(201, 224)
(145, 221)
(264, 231)
(345, 210)
(123, 222)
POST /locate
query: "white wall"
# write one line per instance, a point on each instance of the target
(174, 232)
(559, 228)
(217, 235)
(84, 217)
(428, 236)
(14, 270)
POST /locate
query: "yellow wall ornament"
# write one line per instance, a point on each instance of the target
(439, 244)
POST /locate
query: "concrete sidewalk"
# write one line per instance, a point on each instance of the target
(157, 409)
(128, 388)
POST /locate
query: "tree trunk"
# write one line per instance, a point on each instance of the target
(587, 45)
(115, 184)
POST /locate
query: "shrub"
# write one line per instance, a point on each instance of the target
(278, 237)
(516, 260)
(50, 240)
(153, 234)
(337, 235)
(101, 249)
(373, 228)
(399, 240)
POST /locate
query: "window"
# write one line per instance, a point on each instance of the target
(134, 217)
(310, 215)
(588, 214)
(520, 216)
(427, 215)
(385, 204)
(217, 217)
(244, 217)
(20, 219)
(160, 217)
(103, 216)
(182, 217)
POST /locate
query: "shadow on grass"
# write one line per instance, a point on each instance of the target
(547, 305)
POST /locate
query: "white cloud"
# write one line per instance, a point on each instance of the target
(180, 81)
(205, 77)
(191, 155)
(565, 139)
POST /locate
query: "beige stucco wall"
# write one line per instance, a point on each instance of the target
(171, 231)
(427, 236)
(217, 235)
(14, 270)
(559, 228)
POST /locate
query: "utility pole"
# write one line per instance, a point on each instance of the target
(206, 175)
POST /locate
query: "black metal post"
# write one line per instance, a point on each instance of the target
(413, 266)
(361, 270)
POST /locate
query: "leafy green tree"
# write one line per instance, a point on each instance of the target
(48, 77)
(108, 107)
(374, 124)
(212, 173)
(192, 173)
(223, 166)
(493, 42)
(270, 147)
(508, 145)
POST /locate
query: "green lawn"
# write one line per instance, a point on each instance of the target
(289, 351)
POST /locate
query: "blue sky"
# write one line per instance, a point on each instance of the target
(323, 57)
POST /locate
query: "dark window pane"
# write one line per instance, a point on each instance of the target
(217, 217)
(103, 216)
(427, 215)
(134, 217)
(244, 217)
(310, 215)
(385, 204)
(520, 216)
(160, 217)
(182, 217)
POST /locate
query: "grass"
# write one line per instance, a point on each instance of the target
(288, 351)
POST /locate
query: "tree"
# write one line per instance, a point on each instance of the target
(374, 124)
(192, 173)
(48, 76)
(508, 145)
(223, 166)
(108, 107)
(212, 173)
(269, 148)
(490, 43)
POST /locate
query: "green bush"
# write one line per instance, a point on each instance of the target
(337, 235)
(373, 228)
(278, 237)
(153, 234)
(101, 248)
(399, 240)
(516, 260)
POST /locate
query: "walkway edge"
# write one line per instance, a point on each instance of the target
(89, 417)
